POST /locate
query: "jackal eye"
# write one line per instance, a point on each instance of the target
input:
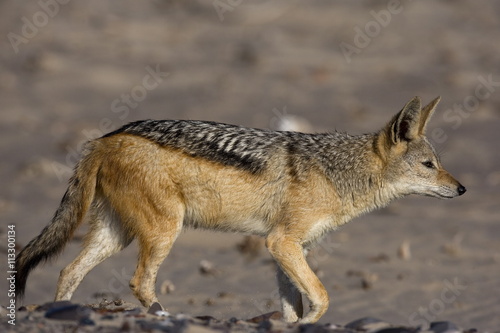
(428, 164)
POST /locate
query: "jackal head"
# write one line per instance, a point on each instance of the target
(411, 165)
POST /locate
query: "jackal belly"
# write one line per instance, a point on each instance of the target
(228, 199)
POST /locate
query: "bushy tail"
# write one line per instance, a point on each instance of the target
(74, 205)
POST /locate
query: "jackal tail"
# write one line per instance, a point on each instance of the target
(71, 212)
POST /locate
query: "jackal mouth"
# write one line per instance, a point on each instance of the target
(438, 195)
(446, 196)
(444, 193)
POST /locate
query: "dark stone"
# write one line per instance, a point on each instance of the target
(21, 308)
(70, 311)
(443, 326)
(53, 305)
(108, 317)
(275, 315)
(206, 319)
(86, 321)
(313, 328)
(163, 326)
(265, 326)
(399, 330)
(358, 324)
(180, 325)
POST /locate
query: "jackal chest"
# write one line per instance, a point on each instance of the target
(319, 229)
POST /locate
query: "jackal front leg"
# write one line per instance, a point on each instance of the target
(290, 297)
(289, 256)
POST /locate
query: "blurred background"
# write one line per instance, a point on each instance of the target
(72, 70)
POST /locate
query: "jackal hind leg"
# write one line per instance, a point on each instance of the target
(289, 255)
(154, 246)
(105, 238)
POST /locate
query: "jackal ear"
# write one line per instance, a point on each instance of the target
(405, 125)
(426, 114)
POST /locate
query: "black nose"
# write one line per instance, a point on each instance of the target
(461, 189)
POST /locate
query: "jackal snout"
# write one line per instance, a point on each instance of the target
(431, 179)
(451, 187)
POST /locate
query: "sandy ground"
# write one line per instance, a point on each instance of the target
(76, 70)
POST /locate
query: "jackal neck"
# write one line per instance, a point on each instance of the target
(355, 168)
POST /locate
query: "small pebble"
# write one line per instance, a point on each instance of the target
(167, 287)
(404, 252)
(126, 326)
(359, 324)
(471, 330)
(368, 280)
(105, 303)
(207, 268)
(29, 307)
(206, 319)
(162, 313)
(224, 294)
(86, 321)
(382, 257)
(444, 327)
(454, 248)
(275, 315)
(108, 317)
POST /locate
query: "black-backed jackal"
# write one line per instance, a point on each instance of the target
(149, 179)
